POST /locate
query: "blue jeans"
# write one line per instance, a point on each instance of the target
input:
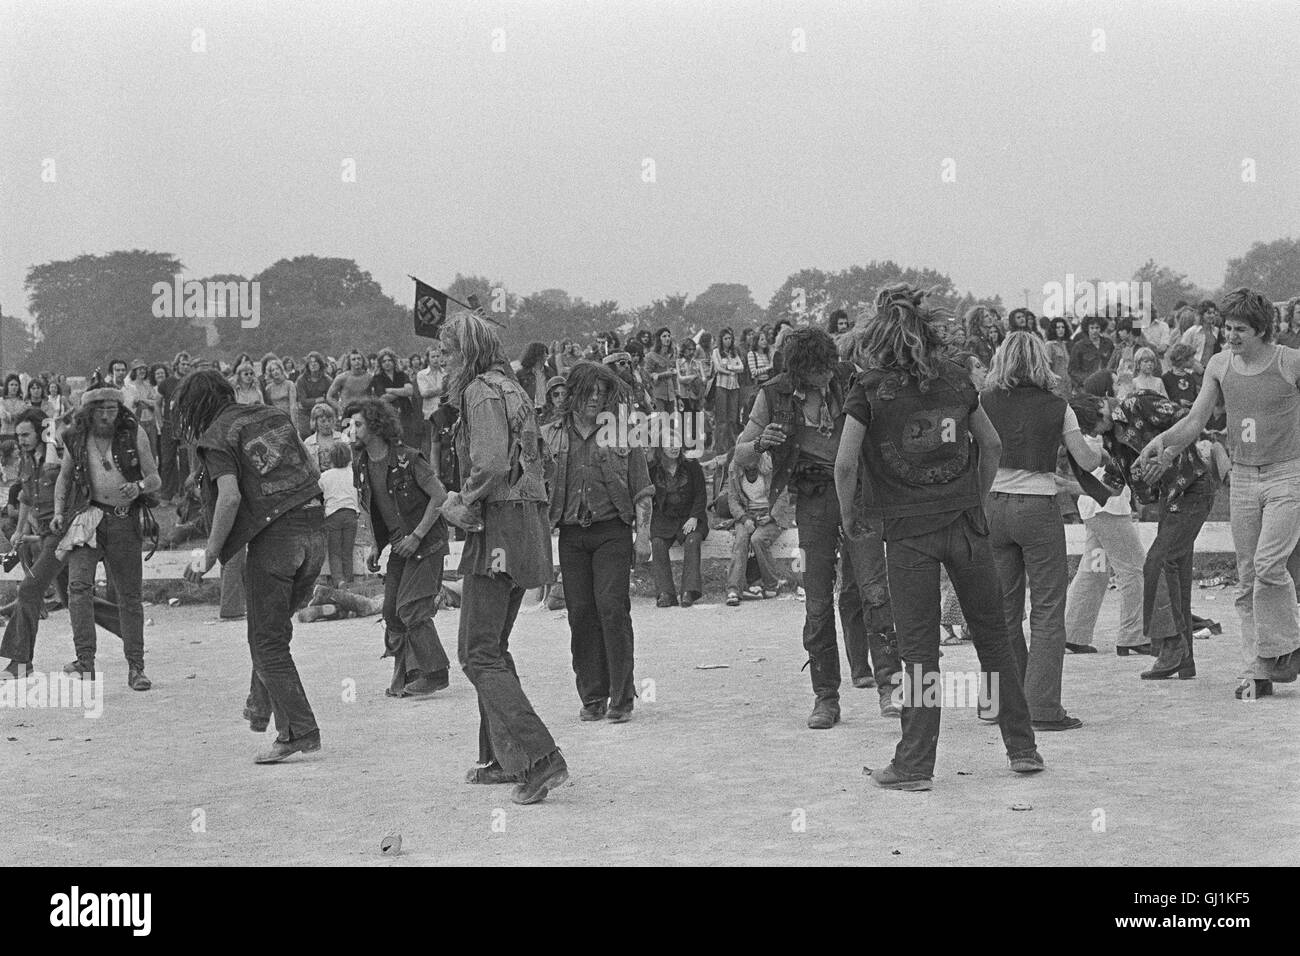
(818, 520)
(865, 611)
(279, 576)
(509, 731)
(963, 549)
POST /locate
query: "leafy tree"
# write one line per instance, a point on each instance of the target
(1272, 268)
(1168, 287)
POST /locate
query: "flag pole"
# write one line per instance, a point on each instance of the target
(464, 305)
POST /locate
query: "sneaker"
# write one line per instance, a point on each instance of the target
(493, 773)
(80, 669)
(136, 680)
(891, 779)
(594, 711)
(1031, 762)
(733, 597)
(1253, 689)
(1065, 723)
(825, 714)
(541, 778)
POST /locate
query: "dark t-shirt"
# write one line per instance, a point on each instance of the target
(1182, 387)
(859, 407)
(381, 381)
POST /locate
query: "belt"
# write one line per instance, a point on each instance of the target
(1018, 494)
(120, 511)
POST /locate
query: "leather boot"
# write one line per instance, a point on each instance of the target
(1172, 660)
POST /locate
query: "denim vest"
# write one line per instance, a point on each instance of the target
(126, 458)
(780, 398)
(274, 471)
(613, 467)
(409, 498)
(918, 451)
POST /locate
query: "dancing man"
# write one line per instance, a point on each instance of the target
(260, 489)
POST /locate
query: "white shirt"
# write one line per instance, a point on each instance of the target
(339, 490)
(1119, 504)
(1021, 481)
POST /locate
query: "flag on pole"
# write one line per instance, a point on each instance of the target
(430, 310)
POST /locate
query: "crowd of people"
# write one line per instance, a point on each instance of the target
(896, 445)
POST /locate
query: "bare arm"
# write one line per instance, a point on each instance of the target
(1186, 431)
(1079, 449)
(223, 515)
(846, 469)
(990, 446)
(61, 488)
(151, 481)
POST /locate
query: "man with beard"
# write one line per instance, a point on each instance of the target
(400, 494)
(107, 474)
(39, 474)
(260, 488)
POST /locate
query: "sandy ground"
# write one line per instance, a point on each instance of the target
(717, 768)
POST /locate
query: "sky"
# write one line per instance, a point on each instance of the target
(515, 140)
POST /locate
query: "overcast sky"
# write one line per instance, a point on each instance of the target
(527, 164)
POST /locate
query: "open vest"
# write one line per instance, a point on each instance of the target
(274, 472)
(126, 458)
(611, 462)
(779, 396)
(408, 497)
(1028, 420)
(918, 450)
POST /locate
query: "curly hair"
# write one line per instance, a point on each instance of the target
(1245, 305)
(1052, 323)
(380, 417)
(808, 351)
(904, 333)
(198, 400)
(534, 352)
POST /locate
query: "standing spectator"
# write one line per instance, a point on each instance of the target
(679, 515)
(11, 405)
(1204, 336)
(394, 386)
(431, 384)
(661, 370)
(1182, 382)
(324, 435)
(1090, 352)
(1123, 359)
(38, 399)
(341, 510)
(557, 393)
(1288, 333)
(311, 386)
(1058, 353)
(759, 361)
(747, 388)
(1146, 376)
(983, 333)
(246, 390)
(690, 378)
(534, 371)
(290, 368)
(279, 392)
(173, 455)
(641, 400)
(351, 385)
(727, 365)
(1157, 333)
(647, 340)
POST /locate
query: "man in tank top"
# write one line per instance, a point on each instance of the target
(1258, 382)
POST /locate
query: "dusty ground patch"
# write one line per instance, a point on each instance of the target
(714, 770)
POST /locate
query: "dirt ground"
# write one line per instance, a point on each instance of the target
(717, 768)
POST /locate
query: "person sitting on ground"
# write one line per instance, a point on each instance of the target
(678, 515)
(749, 483)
